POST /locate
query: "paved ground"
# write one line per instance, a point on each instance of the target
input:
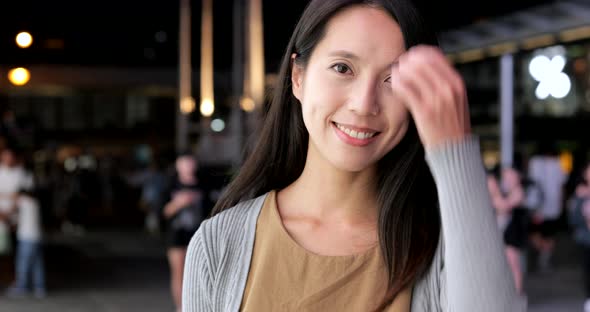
(101, 272)
(557, 291)
(127, 272)
(562, 288)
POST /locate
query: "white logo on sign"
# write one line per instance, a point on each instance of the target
(549, 73)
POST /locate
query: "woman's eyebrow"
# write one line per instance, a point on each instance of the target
(345, 54)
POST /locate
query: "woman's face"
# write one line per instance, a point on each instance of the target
(186, 165)
(352, 115)
(7, 158)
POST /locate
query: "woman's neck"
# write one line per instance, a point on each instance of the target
(325, 192)
(187, 179)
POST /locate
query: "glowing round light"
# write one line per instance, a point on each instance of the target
(19, 76)
(542, 91)
(566, 161)
(557, 63)
(561, 86)
(247, 104)
(24, 39)
(217, 125)
(70, 164)
(87, 162)
(187, 105)
(539, 66)
(207, 107)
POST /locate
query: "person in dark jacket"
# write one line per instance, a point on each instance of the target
(579, 218)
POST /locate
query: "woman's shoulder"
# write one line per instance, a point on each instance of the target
(218, 254)
(237, 214)
(230, 225)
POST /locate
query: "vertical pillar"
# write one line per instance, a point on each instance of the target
(507, 110)
(184, 77)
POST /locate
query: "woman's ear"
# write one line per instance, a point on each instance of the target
(296, 77)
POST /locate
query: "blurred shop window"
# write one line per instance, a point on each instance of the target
(20, 105)
(107, 111)
(44, 109)
(481, 80)
(137, 110)
(72, 113)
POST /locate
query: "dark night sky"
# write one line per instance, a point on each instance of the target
(122, 32)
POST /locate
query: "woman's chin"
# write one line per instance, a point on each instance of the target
(352, 165)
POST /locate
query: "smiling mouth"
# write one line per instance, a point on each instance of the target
(356, 134)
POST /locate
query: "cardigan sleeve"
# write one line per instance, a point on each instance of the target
(475, 274)
(197, 280)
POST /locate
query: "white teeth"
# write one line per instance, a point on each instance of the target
(356, 134)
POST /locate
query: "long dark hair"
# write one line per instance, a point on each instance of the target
(409, 221)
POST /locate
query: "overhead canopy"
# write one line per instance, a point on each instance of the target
(562, 21)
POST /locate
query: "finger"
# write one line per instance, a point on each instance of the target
(449, 85)
(416, 72)
(435, 70)
(411, 69)
(407, 93)
(435, 87)
(435, 57)
(443, 93)
(439, 63)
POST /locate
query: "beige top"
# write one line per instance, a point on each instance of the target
(284, 276)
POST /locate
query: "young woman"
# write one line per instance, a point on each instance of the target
(579, 218)
(508, 198)
(183, 213)
(336, 208)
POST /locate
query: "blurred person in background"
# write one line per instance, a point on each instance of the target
(18, 203)
(546, 171)
(80, 190)
(507, 198)
(153, 181)
(152, 194)
(336, 208)
(533, 196)
(183, 213)
(29, 263)
(579, 218)
(533, 200)
(5, 238)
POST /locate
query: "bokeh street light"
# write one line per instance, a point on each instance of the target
(187, 105)
(24, 39)
(207, 107)
(19, 76)
(217, 125)
(247, 104)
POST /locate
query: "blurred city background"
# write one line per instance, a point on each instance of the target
(97, 98)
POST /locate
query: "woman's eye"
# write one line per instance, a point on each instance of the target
(341, 68)
(388, 80)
